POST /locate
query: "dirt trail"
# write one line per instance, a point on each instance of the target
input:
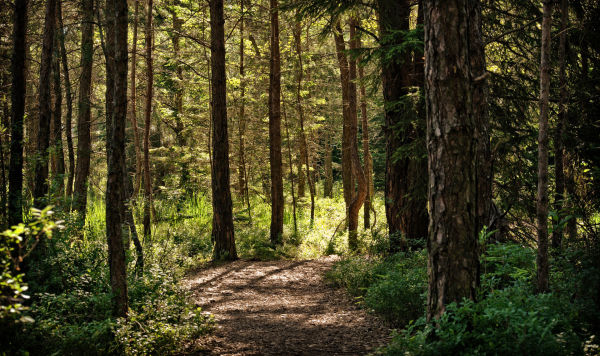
(282, 308)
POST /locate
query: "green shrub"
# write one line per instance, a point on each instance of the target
(512, 321)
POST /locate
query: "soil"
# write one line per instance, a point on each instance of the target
(282, 308)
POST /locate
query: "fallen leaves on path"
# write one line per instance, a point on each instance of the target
(282, 308)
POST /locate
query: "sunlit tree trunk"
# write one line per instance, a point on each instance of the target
(222, 224)
(133, 107)
(542, 193)
(84, 112)
(275, 129)
(40, 184)
(454, 89)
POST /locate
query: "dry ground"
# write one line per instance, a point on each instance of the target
(282, 308)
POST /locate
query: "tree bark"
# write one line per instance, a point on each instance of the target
(453, 89)
(559, 156)
(291, 164)
(40, 183)
(275, 129)
(84, 112)
(242, 173)
(57, 156)
(115, 188)
(367, 158)
(69, 97)
(405, 183)
(147, 120)
(304, 143)
(542, 193)
(222, 224)
(328, 185)
(18, 68)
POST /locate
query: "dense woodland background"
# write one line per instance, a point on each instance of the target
(448, 150)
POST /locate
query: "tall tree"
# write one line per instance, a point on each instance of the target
(303, 143)
(40, 184)
(242, 173)
(405, 183)
(557, 232)
(69, 98)
(453, 92)
(115, 189)
(275, 158)
(84, 138)
(542, 186)
(57, 156)
(132, 100)
(18, 66)
(147, 120)
(222, 224)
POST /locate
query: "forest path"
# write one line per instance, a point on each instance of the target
(282, 308)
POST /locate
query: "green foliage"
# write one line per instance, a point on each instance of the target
(511, 321)
(394, 287)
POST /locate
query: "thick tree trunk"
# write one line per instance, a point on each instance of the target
(542, 194)
(115, 188)
(69, 97)
(84, 113)
(57, 156)
(222, 225)
(559, 195)
(453, 91)
(405, 183)
(147, 119)
(40, 183)
(275, 129)
(304, 143)
(133, 108)
(15, 169)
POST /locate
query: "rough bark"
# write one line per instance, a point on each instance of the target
(115, 187)
(147, 119)
(542, 186)
(275, 158)
(405, 184)
(367, 158)
(559, 156)
(84, 110)
(453, 89)
(222, 224)
(69, 98)
(18, 68)
(40, 183)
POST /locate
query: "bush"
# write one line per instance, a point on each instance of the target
(511, 321)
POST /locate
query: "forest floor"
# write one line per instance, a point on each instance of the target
(282, 308)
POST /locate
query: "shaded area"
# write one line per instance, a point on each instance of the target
(282, 308)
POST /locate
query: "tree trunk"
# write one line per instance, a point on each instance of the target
(304, 143)
(115, 189)
(57, 154)
(18, 68)
(242, 173)
(405, 183)
(147, 120)
(559, 195)
(275, 129)
(40, 183)
(291, 164)
(542, 194)
(453, 91)
(367, 158)
(328, 186)
(133, 109)
(222, 224)
(84, 112)
(69, 97)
